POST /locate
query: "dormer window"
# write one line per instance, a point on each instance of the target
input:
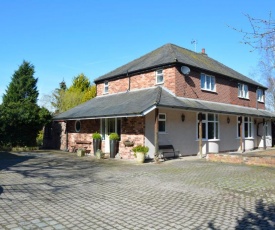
(159, 76)
(106, 87)
(260, 95)
(208, 82)
(243, 91)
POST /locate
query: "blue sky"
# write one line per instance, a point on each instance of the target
(63, 38)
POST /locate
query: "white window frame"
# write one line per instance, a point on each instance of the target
(106, 87)
(208, 82)
(163, 120)
(260, 95)
(249, 123)
(243, 91)
(206, 121)
(159, 73)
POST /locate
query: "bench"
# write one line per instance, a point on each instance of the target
(75, 147)
(165, 150)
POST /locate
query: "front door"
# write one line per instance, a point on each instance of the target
(109, 125)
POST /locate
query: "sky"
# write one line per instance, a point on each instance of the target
(63, 38)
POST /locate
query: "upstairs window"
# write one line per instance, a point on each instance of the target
(260, 95)
(162, 122)
(243, 91)
(106, 87)
(208, 82)
(159, 76)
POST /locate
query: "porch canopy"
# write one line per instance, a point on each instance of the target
(141, 102)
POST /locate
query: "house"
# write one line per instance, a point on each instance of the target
(172, 96)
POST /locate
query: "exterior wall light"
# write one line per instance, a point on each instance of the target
(228, 120)
(182, 117)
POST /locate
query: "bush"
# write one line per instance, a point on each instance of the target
(96, 136)
(114, 136)
(140, 148)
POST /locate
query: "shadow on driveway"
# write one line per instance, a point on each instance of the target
(263, 218)
(8, 159)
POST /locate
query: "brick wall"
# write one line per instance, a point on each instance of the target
(187, 86)
(242, 159)
(132, 129)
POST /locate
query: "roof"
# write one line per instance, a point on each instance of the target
(140, 102)
(173, 54)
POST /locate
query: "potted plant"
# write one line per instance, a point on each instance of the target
(96, 142)
(114, 137)
(99, 154)
(140, 151)
(128, 143)
(81, 152)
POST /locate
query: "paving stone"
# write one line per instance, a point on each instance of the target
(60, 191)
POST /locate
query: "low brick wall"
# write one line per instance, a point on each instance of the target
(261, 160)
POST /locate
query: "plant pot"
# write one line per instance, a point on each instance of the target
(96, 145)
(140, 157)
(113, 148)
(99, 154)
(128, 143)
(80, 153)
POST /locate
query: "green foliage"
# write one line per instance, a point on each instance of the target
(20, 117)
(22, 86)
(39, 138)
(114, 136)
(140, 148)
(96, 136)
(79, 92)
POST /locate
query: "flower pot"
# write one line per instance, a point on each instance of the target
(140, 157)
(96, 145)
(113, 148)
(80, 152)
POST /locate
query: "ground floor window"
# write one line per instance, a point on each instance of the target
(162, 122)
(247, 127)
(210, 126)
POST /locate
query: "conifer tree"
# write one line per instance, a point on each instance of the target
(20, 117)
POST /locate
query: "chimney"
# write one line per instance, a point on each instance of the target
(203, 51)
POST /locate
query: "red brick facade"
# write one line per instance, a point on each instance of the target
(186, 86)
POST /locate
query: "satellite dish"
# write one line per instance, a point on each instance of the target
(185, 70)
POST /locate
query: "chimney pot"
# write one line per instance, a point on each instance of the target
(203, 51)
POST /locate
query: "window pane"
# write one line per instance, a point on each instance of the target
(211, 130)
(217, 130)
(210, 117)
(159, 71)
(246, 130)
(202, 81)
(159, 78)
(208, 82)
(212, 83)
(162, 116)
(239, 129)
(161, 126)
(203, 130)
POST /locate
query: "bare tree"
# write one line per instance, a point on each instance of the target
(261, 37)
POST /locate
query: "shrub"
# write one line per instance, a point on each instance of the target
(114, 136)
(96, 136)
(140, 148)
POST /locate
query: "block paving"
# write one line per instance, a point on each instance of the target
(58, 190)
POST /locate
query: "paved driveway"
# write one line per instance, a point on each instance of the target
(62, 191)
